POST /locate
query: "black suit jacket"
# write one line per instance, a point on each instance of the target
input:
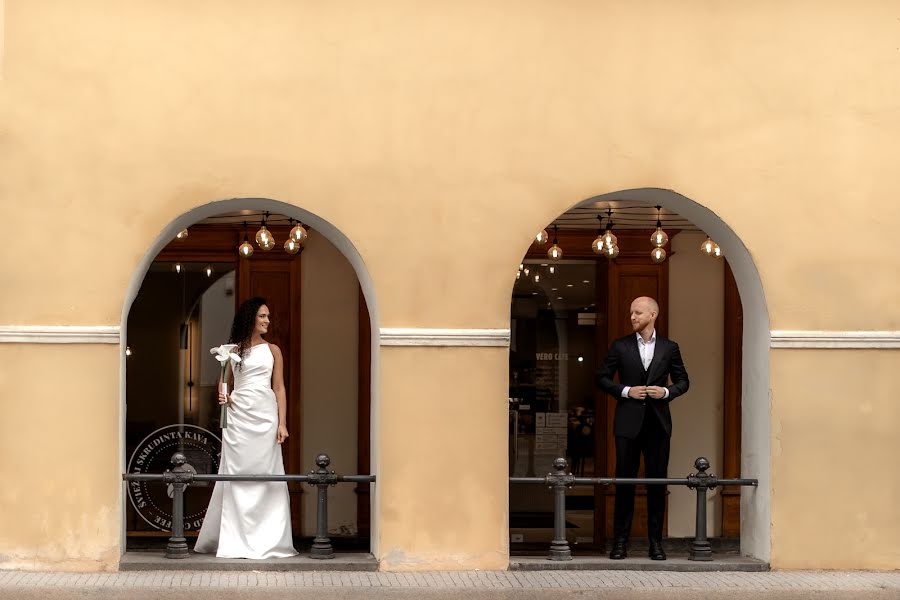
(624, 358)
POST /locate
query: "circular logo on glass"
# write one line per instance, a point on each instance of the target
(152, 500)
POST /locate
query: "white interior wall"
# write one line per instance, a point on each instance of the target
(216, 315)
(329, 381)
(696, 314)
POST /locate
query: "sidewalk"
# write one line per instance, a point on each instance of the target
(468, 585)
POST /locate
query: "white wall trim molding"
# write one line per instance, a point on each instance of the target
(835, 339)
(59, 334)
(415, 336)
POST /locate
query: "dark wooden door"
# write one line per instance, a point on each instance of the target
(277, 279)
(628, 278)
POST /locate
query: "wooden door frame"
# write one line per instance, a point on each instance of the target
(218, 243)
(634, 251)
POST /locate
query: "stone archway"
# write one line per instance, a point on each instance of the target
(755, 534)
(328, 231)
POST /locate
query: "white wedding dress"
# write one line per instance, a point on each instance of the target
(250, 519)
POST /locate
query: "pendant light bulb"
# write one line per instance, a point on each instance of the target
(611, 252)
(264, 239)
(555, 252)
(610, 239)
(708, 247)
(292, 246)
(542, 237)
(178, 268)
(245, 250)
(299, 233)
(659, 238)
(657, 255)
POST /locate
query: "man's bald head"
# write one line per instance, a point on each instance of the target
(644, 311)
(650, 303)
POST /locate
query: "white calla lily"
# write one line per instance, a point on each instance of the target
(224, 352)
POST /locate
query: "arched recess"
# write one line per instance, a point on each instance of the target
(755, 533)
(335, 237)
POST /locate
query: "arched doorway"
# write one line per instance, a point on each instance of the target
(210, 281)
(580, 320)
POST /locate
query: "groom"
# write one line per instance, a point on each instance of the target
(643, 424)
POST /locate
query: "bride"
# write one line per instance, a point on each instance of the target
(251, 519)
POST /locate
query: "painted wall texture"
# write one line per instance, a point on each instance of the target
(438, 137)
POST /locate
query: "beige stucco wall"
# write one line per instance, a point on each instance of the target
(59, 450)
(437, 138)
(443, 488)
(834, 439)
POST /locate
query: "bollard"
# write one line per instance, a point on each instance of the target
(701, 481)
(178, 477)
(322, 478)
(558, 482)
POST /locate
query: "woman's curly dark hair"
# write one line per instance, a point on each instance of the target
(242, 326)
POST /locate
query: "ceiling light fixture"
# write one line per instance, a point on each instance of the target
(292, 245)
(608, 238)
(710, 248)
(264, 237)
(245, 249)
(610, 246)
(599, 243)
(555, 252)
(659, 238)
(298, 233)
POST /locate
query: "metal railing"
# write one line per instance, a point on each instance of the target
(559, 481)
(180, 476)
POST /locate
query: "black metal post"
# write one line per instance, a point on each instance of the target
(558, 482)
(322, 478)
(701, 481)
(177, 546)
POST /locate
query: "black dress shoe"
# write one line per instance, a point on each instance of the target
(656, 551)
(618, 550)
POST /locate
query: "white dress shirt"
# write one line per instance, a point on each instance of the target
(647, 349)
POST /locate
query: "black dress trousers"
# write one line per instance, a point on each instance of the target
(653, 442)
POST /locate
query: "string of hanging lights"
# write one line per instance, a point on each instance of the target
(606, 243)
(264, 238)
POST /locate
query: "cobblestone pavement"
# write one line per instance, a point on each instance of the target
(466, 584)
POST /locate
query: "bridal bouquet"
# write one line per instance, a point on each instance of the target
(223, 353)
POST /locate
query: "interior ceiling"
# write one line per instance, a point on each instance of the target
(570, 287)
(626, 214)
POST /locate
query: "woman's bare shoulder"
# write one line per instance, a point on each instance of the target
(275, 349)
